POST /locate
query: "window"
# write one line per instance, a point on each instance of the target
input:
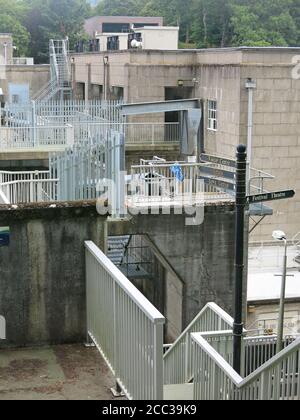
(15, 99)
(212, 116)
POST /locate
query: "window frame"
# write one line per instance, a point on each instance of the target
(212, 115)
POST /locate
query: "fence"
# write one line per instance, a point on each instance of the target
(39, 136)
(27, 187)
(60, 113)
(126, 328)
(152, 133)
(172, 181)
(81, 169)
(178, 360)
(215, 379)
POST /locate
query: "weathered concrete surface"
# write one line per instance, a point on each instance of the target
(58, 373)
(202, 256)
(42, 272)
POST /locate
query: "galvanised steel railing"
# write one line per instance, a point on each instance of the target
(152, 133)
(126, 328)
(34, 191)
(60, 113)
(178, 360)
(9, 176)
(36, 136)
(215, 379)
(172, 181)
(256, 350)
(27, 187)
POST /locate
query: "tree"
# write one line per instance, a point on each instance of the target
(263, 23)
(211, 24)
(55, 19)
(21, 36)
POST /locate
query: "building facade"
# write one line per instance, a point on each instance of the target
(218, 78)
(108, 24)
(20, 78)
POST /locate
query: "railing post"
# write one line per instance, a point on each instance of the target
(263, 394)
(153, 134)
(239, 256)
(158, 361)
(187, 358)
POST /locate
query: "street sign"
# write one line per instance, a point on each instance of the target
(279, 195)
(218, 160)
(218, 173)
(218, 183)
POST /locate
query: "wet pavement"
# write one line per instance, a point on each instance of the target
(71, 372)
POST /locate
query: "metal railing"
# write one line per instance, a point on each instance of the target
(37, 136)
(178, 360)
(27, 187)
(215, 379)
(23, 61)
(177, 182)
(84, 169)
(34, 191)
(60, 113)
(126, 328)
(152, 133)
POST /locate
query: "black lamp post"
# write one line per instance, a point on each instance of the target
(239, 255)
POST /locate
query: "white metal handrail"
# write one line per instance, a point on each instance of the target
(126, 328)
(215, 379)
(178, 360)
(29, 191)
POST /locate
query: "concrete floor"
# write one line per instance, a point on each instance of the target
(70, 372)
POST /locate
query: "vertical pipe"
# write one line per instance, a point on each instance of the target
(282, 302)
(239, 255)
(250, 85)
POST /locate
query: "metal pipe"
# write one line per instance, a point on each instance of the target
(282, 301)
(239, 255)
(250, 86)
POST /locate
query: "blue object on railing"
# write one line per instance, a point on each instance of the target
(177, 171)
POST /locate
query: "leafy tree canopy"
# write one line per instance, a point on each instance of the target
(204, 23)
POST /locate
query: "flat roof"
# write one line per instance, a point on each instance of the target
(264, 273)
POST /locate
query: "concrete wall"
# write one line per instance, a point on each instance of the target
(201, 256)
(42, 272)
(165, 38)
(276, 141)
(35, 77)
(264, 315)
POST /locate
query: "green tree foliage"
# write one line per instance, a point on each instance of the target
(21, 36)
(205, 23)
(54, 19)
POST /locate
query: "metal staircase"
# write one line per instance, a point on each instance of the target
(59, 86)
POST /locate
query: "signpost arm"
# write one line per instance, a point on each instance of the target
(239, 255)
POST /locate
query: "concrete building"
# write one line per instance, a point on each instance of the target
(115, 24)
(218, 78)
(146, 38)
(264, 287)
(20, 79)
